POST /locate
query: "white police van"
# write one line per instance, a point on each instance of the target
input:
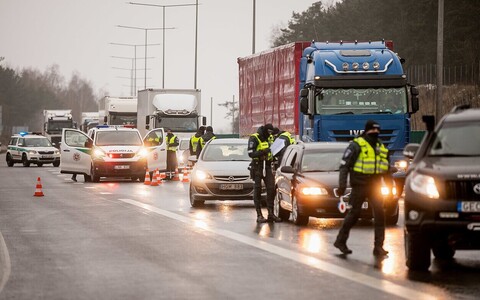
(31, 148)
(112, 151)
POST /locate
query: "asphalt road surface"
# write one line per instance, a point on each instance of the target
(122, 240)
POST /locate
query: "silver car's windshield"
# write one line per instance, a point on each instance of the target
(232, 152)
(322, 160)
(124, 138)
(457, 139)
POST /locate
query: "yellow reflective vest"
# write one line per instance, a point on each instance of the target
(262, 146)
(289, 136)
(171, 141)
(371, 161)
(194, 142)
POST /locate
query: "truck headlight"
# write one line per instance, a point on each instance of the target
(97, 153)
(424, 185)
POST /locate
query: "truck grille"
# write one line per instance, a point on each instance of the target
(386, 136)
(461, 190)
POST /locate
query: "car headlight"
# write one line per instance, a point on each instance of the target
(56, 152)
(401, 165)
(385, 191)
(97, 153)
(32, 152)
(313, 191)
(424, 185)
(202, 175)
(142, 153)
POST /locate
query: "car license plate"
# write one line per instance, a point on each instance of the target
(468, 206)
(231, 186)
(47, 156)
(365, 205)
(121, 167)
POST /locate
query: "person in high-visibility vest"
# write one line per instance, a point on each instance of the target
(261, 169)
(288, 140)
(195, 140)
(172, 144)
(366, 159)
(209, 135)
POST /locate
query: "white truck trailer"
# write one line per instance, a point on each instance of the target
(120, 111)
(54, 122)
(176, 109)
(89, 120)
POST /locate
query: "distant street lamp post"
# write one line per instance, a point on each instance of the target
(196, 34)
(135, 60)
(146, 36)
(133, 71)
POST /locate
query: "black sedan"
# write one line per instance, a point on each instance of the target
(307, 182)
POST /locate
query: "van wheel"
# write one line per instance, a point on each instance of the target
(95, 178)
(10, 162)
(25, 161)
(417, 251)
(40, 165)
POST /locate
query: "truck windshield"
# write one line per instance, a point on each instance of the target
(177, 124)
(362, 101)
(57, 126)
(118, 119)
(118, 138)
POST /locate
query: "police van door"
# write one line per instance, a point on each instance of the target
(155, 142)
(75, 149)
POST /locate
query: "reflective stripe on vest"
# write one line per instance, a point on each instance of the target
(194, 141)
(368, 162)
(171, 141)
(289, 136)
(202, 141)
(261, 146)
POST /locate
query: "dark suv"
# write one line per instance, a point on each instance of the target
(442, 189)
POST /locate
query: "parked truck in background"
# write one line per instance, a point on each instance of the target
(327, 92)
(120, 111)
(176, 109)
(89, 120)
(54, 122)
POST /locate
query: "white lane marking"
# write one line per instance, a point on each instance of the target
(89, 187)
(105, 193)
(5, 267)
(360, 278)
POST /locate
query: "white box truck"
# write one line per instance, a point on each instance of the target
(89, 120)
(120, 111)
(54, 122)
(176, 109)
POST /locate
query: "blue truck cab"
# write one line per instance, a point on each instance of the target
(342, 85)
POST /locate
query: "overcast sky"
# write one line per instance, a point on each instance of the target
(76, 35)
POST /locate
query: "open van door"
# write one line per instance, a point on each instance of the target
(156, 143)
(75, 150)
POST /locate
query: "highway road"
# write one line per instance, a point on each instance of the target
(122, 240)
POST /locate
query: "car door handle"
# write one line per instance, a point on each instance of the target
(66, 150)
(162, 149)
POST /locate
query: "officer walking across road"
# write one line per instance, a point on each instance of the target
(195, 140)
(172, 144)
(205, 138)
(261, 169)
(366, 160)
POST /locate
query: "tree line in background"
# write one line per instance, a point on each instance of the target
(26, 93)
(412, 25)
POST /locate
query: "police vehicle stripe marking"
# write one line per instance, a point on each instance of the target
(360, 278)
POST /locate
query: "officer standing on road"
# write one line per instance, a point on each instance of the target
(288, 140)
(209, 135)
(366, 160)
(172, 144)
(261, 168)
(195, 139)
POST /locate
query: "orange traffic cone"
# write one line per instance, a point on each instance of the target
(163, 175)
(159, 177)
(147, 178)
(154, 179)
(176, 177)
(38, 189)
(185, 175)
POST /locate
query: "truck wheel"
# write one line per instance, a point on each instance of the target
(297, 217)
(10, 162)
(40, 165)
(25, 161)
(442, 250)
(87, 178)
(56, 164)
(278, 210)
(194, 202)
(417, 251)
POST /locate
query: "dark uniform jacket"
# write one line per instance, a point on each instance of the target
(203, 140)
(253, 144)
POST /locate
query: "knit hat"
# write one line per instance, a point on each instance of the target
(276, 130)
(209, 128)
(268, 126)
(371, 124)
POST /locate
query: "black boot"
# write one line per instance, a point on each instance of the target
(342, 246)
(379, 251)
(272, 217)
(260, 218)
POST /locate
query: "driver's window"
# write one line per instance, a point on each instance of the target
(75, 139)
(154, 138)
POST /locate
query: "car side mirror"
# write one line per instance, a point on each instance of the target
(415, 103)
(410, 150)
(287, 169)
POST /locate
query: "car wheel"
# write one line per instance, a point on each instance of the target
(194, 202)
(40, 165)
(417, 251)
(278, 210)
(442, 250)
(56, 164)
(95, 178)
(142, 178)
(298, 219)
(87, 178)
(133, 178)
(10, 162)
(25, 161)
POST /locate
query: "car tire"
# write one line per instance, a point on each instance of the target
(133, 178)
(297, 217)
(142, 178)
(194, 202)
(95, 178)
(278, 210)
(25, 161)
(10, 162)
(417, 251)
(442, 250)
(40, 165)
(87, 178)
(56, 164)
